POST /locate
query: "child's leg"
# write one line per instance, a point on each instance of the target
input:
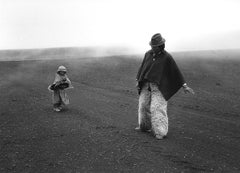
(61, 103)
(56, 99)
(56, 105)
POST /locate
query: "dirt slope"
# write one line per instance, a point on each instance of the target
(96, 133)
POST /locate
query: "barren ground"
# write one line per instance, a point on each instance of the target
(96, 132)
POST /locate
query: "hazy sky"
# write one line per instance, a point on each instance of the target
(185, 24)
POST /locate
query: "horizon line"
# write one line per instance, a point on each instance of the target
(112, 47)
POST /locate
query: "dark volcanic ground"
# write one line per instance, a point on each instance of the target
(96, 132)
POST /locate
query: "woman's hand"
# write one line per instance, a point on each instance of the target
(137, 85)
(138, 88)
(187, 89)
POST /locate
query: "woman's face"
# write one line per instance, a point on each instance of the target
(156, 49)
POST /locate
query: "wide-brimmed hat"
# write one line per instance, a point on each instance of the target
(157, 40)
(62, 68)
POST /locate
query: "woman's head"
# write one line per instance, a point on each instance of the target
(62, 70)
(157, 42)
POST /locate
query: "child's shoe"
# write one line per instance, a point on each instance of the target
(57, 109)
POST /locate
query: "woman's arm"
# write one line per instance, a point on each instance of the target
(140, 68)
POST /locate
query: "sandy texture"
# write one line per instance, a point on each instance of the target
(96, 133)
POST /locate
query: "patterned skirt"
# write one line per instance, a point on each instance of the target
(152, 112)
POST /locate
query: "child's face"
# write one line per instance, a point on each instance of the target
(61, 73)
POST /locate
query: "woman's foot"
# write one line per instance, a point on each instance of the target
(160, 137)
(138, 128)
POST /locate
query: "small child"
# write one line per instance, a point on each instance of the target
(61, 82)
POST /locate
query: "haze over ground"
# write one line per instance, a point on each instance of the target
(96, 133)
(186, 24)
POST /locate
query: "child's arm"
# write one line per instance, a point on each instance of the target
(69, 83)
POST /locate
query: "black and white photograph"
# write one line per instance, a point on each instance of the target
(110, 86)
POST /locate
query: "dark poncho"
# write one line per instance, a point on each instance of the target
(162, 70)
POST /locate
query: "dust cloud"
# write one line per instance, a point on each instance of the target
(63, 53)
(27, 65)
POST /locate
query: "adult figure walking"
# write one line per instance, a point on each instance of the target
(158, 79)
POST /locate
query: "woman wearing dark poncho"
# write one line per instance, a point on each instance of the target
(158, 79)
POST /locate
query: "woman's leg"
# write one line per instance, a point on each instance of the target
(144, 119)
(158, 108)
